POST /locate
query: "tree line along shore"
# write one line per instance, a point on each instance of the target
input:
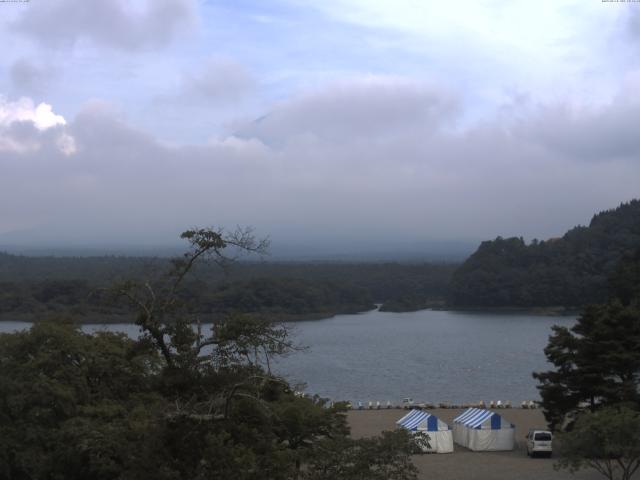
(556, 276)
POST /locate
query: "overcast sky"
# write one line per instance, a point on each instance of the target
(354, 121)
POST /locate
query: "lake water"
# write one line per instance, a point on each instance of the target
(431, 356)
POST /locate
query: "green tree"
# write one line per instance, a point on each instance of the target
(178, 403)
(597, 362)
(624, 283)
(607, 440)
(72, 404)
(570, 271)
(387, 457)
(162, 313)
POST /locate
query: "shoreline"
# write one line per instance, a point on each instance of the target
(115, 319)
(125, 319)
(555, 311)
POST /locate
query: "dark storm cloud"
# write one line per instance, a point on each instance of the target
(114, 23)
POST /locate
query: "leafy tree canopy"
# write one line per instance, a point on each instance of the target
(597, 361)
(177, 403)
(570, 271)
(607, 440)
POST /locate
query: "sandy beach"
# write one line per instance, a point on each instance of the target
(465, 464)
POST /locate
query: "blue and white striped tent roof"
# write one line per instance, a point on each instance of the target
(481, 418)
(420, 419)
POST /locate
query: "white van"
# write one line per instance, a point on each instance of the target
(539, 442)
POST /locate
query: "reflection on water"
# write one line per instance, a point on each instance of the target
(433, 356)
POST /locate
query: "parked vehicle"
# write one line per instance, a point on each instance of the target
(539, 442)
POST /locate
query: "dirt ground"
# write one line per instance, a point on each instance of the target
(465, 464)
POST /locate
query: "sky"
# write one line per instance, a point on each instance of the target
(349, 124)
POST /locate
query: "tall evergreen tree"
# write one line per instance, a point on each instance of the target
(597, 361)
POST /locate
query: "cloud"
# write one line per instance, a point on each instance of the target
(24, 110)
(219, 81)
(633, 24)
(369, 107)
(115, 24)
(27, 77)
(370, 158)
(314, 183)
(365, 148)
(24, 126)
(586, 132)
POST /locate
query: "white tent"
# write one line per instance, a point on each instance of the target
(436, 436)
(483, 430)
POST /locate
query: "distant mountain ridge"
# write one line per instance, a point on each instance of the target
(570, 271)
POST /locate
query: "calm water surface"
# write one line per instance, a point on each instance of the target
(435, 356)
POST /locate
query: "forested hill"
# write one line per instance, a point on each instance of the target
(570, 271)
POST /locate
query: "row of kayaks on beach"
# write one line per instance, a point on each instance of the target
(408, 403)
